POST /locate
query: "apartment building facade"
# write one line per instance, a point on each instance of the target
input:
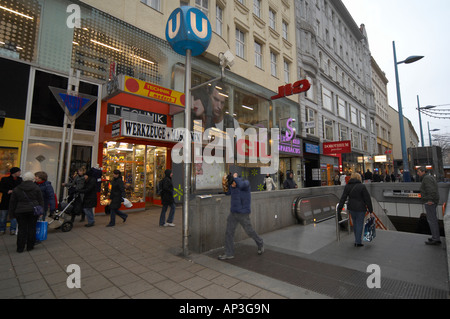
(333, 53)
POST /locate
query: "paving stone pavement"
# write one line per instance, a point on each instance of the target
(137, 259)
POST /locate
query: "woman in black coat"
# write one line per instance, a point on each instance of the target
(359, 202)
(117, 194)
(90, 197)
(167, 200)
(23, 198)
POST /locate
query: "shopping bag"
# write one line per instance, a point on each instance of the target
(41, 230)
(127, 203)
(369, 229)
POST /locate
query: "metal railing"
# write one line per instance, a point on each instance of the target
(342, 221)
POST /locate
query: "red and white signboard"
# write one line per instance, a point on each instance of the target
(337, 147)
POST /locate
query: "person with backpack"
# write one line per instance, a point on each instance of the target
(167, 200)
(359, 202)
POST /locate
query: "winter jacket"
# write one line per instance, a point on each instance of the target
(167, 189)
(241, 199)
(289, 182)
(19, 203)
(429, 189)
(117, 193)
(48, 194)
(359, 199)
(269, 183)
(6, 184)
(90, 192)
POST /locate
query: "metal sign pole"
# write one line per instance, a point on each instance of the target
(187, 153)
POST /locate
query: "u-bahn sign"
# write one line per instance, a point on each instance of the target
(188, 28)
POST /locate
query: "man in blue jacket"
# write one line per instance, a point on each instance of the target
(240, 213)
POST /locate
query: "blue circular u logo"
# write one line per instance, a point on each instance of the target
(188, 28)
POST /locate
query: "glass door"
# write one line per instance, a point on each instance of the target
(154, 170)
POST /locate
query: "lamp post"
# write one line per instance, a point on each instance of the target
(429, 133)
(420, 118)
(411, 59)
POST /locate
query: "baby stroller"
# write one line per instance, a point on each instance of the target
(60, 220)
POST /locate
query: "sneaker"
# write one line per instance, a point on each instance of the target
(260, 250)
(169, 224)
(225, 257)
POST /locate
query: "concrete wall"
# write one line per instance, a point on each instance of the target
(270, 211)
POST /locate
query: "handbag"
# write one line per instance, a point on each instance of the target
(127, 203)
(41, 230)
(38, 210)
(369, 229)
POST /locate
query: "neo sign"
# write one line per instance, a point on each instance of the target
(290, 89)
(188, 28)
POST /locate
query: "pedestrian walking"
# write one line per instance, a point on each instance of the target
(48, 193)
(117, 195)
(89, 192)
(359, 202)
(269, 184)
(240, 214)
(21, 206)
(289, 182)
(167, 200)
(75, 184)
(430, 198)
(7, 184)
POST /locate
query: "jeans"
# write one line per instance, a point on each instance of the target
(4, 218)
(232, 221)
(113, 216)
(27, 231)
(358, 225)
(433, 221)
(89, 214)
(162, 217)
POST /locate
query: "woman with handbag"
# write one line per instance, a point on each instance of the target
(24, 199)
(359, 202)
(117, 197)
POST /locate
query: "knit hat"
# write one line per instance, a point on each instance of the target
(14, 170)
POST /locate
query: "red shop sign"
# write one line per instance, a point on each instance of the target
(337, 147)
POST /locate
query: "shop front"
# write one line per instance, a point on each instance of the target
(290, 151)
(137, 138)
(312, 177)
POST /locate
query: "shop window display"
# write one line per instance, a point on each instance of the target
(129, 159)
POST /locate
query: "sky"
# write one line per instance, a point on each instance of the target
(418, 28)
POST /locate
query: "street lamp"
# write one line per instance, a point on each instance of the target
(429, 132)
(420, 118)
(411, 59)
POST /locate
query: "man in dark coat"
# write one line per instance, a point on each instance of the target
(167, 200)
(90, 197)
(7, 184)
(289, 182)
(241, 200)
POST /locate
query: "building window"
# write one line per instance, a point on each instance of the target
(155, 4)
(311, 117)
(284, 30)
(328, 129)
(363, 120)
(273, 64)
(343, 133)
(257, 8)
(272, 19)
(287, 72)
(327, 99)
(258, 55)
(219, 21)
(240, 43)
(354, 115)
(342, 110)
(202, 5)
